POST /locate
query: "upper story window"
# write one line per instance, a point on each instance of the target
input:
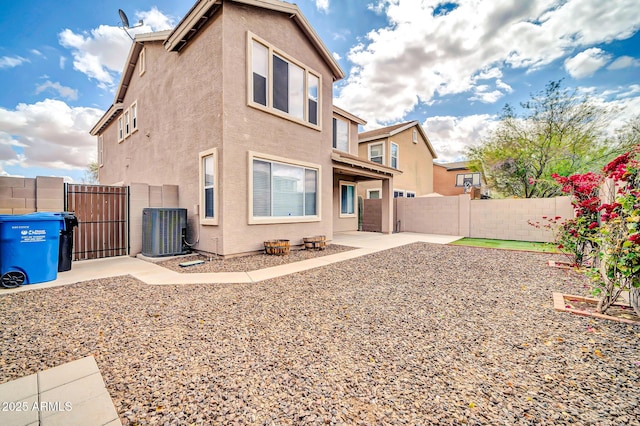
(340, 135)
(376, 153)
(134, 116)
(468, 180)
(142, 62)
(394, 155)
(415, 136)
(127, 123)
(281, 85)
(120, 129)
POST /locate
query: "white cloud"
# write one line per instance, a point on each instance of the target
(322, 5)
(36, 52)
(101, 52)
(587, 62)
(12, 61)
(154, 20)
(62, 62)
(624, 62)
(336, 56)
(450, 136)
(48, 134)
(63, 91)
(418, 56)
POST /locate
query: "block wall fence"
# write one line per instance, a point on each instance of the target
(29, 195)
(459, 215)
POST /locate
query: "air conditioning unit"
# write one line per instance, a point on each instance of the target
(163, 231)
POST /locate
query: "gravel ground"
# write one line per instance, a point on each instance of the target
(421, 334)
(248, 263)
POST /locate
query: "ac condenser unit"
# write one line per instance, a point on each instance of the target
(163, 231)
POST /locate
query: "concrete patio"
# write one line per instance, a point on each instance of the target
(149, 273)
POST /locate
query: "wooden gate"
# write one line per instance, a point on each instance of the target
(103, 216)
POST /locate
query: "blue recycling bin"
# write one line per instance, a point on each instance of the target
(29, 247)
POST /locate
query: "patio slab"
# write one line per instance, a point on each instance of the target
(69, 394)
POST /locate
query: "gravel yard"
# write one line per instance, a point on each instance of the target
(421, 334)
(248, 263)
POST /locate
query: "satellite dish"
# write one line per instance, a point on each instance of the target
(123, 18)
(125, 22)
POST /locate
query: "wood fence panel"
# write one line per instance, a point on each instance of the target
(103, 215)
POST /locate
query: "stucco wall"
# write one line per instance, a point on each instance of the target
(444, 182)
(249, 129)
(28, 195)
(196, 100)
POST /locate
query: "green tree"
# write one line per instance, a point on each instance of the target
(558, 131)
(91, 173)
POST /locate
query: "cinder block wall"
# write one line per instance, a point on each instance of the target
(498, 219)
(29, 195)
(508, 219)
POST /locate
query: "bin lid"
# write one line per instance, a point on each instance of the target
(31, 217)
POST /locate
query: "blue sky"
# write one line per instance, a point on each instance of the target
(452, 65)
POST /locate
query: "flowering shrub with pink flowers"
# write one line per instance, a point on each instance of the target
(579, 236)
(606, 236)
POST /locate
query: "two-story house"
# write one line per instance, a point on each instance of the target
(234, 106)
(404, 147)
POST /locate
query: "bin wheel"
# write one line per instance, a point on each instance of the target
(13, 279)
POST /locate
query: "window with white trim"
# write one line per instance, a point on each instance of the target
(415, 136)
(373, 194)
(394, 155)
(468, 179)
(411, 194)
(100, 151)
(283, 190)
(347, 199)
(134, 116)
(282, 85)
(340, 135)
(120, 129)
(142, 63)
(127, 123)
(208, 185)
(398, 194)
(376, 153)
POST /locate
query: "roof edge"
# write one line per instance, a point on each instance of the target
(348, 115)
(106, 118)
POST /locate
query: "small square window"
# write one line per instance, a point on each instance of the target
(376, 153)
(373, 194)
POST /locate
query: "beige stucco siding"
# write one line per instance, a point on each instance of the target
(179, 100)
(196, 100)
(249, 129)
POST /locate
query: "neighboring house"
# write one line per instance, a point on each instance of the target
(455, 178)
(403, 147)
(234, 106)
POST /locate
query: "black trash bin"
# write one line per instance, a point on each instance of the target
(65, 253)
